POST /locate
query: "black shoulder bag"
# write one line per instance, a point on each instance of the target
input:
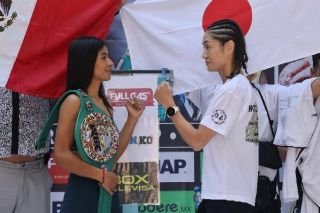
(268, 152)
(267, 198)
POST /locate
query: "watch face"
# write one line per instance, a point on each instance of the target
(171, 111)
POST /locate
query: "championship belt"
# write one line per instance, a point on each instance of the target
(96, 137)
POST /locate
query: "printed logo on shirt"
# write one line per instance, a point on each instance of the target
(219, 116)
(252, 134)
(253, 108)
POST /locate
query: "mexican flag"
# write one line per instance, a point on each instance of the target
(34, 39)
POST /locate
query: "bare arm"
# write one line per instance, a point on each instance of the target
(315, 87)
(283, 153)
(64, 140)
(196, 138)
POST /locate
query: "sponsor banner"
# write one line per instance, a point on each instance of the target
(56, 202)
(172, 201)
(170, 137)
(58, 174)
(138, 182)
(137, 168)
(119, 97)
(52, 135)
(144, 144)
(176, 167)
(294, 71)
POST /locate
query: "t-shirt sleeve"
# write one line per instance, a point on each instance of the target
(225, 111)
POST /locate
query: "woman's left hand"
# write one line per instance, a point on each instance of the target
(135, 107)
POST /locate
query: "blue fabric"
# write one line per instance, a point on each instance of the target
(79, 188)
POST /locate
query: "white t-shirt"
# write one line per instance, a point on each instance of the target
(310, 167)
(230, 164)
(297, 116)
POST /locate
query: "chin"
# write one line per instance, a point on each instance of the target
(211, 69)
(107, 77)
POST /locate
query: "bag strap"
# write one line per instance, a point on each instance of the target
(265, 107)
(41, 142)
(277, 180)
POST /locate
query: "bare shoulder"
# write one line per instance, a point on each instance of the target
(70, 105)
(72, 99)
(315, 87)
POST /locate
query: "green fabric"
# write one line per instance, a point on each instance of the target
(104, 205)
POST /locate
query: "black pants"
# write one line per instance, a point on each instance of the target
(267, 198)
(224, 206)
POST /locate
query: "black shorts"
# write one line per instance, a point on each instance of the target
(223, 206)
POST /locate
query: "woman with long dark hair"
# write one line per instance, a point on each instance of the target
(87, 141)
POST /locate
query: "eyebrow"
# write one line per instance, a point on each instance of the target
(205, 42)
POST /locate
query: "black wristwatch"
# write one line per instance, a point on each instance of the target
(171, 111)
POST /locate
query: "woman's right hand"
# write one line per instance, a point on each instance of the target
(110, 181)
(164, 95)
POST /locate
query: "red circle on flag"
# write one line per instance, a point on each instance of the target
(239, 11)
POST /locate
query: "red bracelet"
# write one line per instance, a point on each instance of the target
(103, 174)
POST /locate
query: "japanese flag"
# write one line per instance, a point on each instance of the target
(168, 33)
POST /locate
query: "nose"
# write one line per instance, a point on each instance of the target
(110, 62)
(204, 55)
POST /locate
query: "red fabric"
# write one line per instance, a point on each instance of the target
(40, 67)
(240, 12)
